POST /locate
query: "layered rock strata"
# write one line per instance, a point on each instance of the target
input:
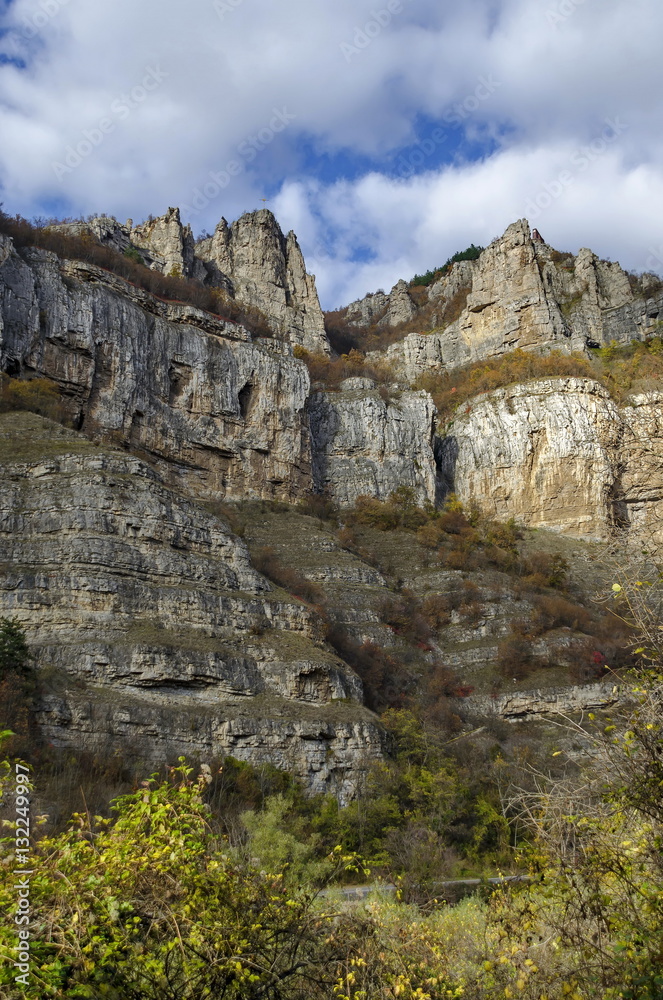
(251, 260)
(220, 414)
(367, 443)
(523, 294)
(519, 706)
(151, 628)
(266, 269)
(559, 453)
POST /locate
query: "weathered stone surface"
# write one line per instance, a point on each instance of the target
(526, 295)
(219, 413)
(365, 444)
(266, 270)
(559, 453)
(401, 307)
(146, 611)
(383, 310)
(168, 240)
(639, 483)
(252, 261)
(519, 706)
(372, 307)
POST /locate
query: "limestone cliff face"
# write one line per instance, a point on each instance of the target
(167, 240)
(365, 444)
(152, 629)
(383, 310)
(220, 414)
(523, 294)
(266, 269)
(559, 453)
(252, 260)
(522, 705)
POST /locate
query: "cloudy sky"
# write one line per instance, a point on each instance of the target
(387, 133)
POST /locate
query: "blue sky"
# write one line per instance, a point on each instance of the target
(387, 134)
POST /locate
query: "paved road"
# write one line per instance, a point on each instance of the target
(360, 892)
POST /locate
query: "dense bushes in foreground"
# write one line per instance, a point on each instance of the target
(156, 904)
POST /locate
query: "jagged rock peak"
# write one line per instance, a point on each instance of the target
(252, 260)
(522, 293)
(267, 270)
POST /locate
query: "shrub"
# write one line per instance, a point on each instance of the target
(267, 562)
(132, 254)
(387, 681)
(37, 395)
(400, 510)
(515, 658)
(320, 506)
(403, 614)
(436, 609)
(18, 687)
(545, 569)
(471, 253)
(87, 249)
(150, 904)
(554, 611)
(332, 371)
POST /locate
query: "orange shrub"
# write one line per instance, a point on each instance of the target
(38, 395)
(86, 248)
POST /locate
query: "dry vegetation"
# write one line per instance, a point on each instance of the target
(460, 540)
(633, 367)
(168, 287)
(332, 371)
(434, 314)
(37, 395)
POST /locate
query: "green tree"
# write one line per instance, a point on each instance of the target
(15, 656)
(150, 905)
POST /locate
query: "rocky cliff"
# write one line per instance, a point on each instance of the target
(521, 293)
(251, 260)
(153, 632)
(218, 413)
(559, 453)
(150, 622)
(370, 445)
(266, 269)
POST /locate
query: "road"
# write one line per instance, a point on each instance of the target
(359, 892)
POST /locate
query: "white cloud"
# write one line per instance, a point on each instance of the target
(417, 224)
(555, 80)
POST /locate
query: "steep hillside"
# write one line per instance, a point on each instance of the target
(252, 261)
(519, 293)
(153, 632)
(421, 531)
